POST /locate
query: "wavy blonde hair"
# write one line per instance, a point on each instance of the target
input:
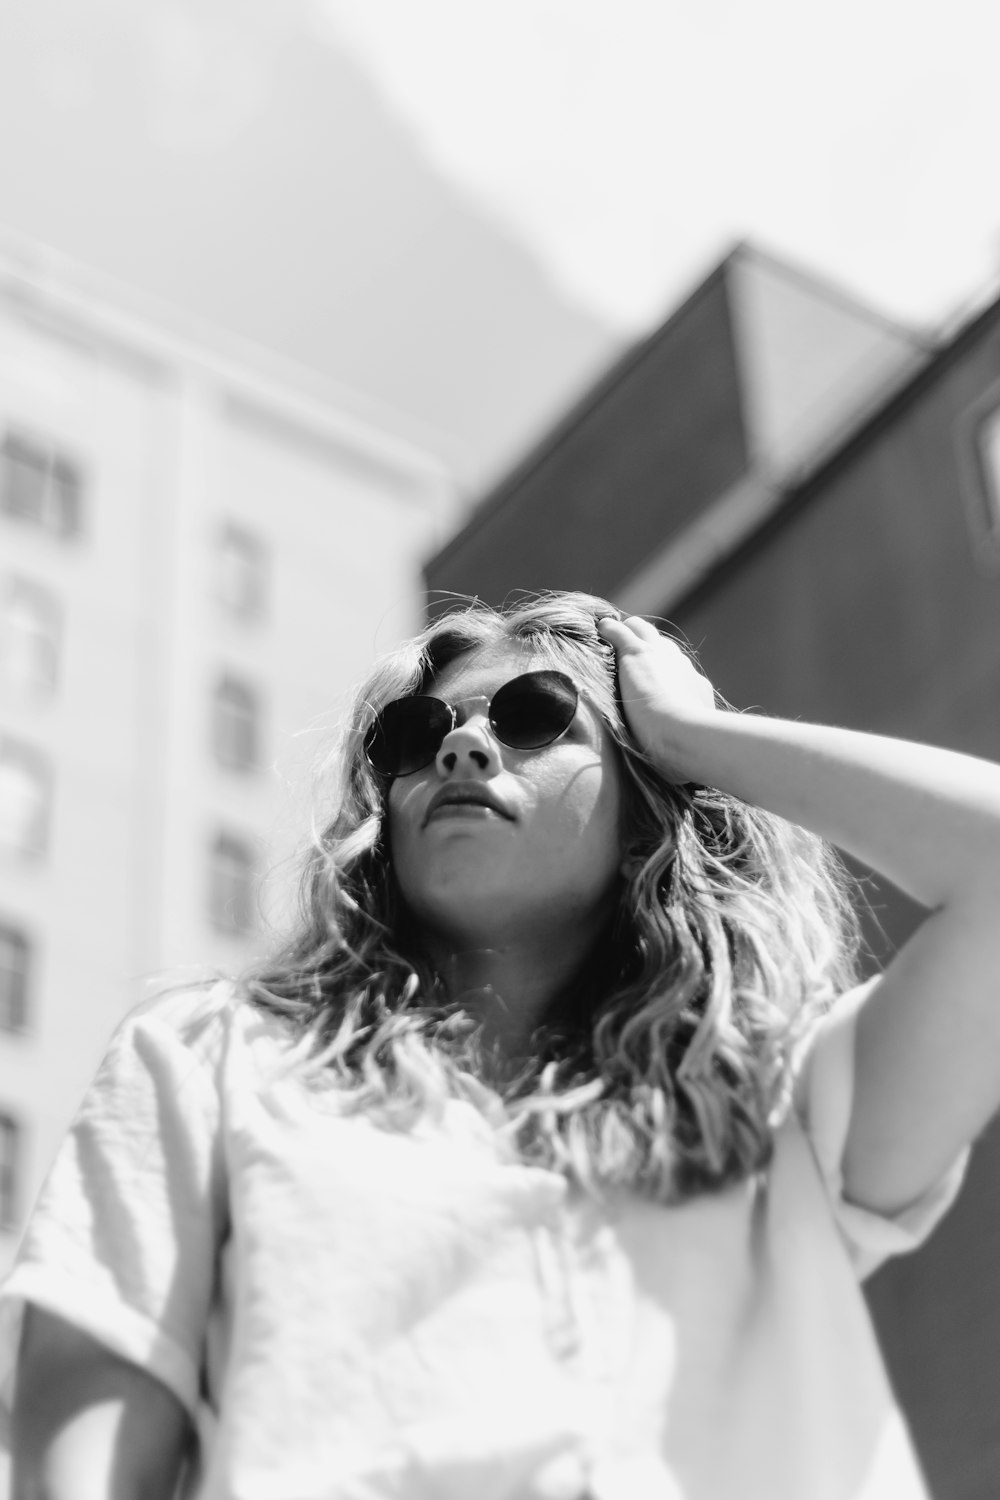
(665, 1068)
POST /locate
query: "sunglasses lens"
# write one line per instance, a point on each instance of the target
(533, 710)
(407, 735)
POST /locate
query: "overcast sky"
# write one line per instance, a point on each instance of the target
(626, 140)
(463, 209)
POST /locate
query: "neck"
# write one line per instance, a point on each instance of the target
(508, 988)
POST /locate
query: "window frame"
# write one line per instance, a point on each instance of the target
(979, 479)
(11, 1160)
(249, 602)
(233, 884)
(236, 723)
(46, 642)
(57, 509)
(16, 979)
(36, 763)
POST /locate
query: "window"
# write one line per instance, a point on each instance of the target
(30, 631)
(235, 725)
(977, 435)
(232, 885)
(39, 485)
(241, 573)
(10, 1152)
(989, 457)
(25, 788)
(15, 965)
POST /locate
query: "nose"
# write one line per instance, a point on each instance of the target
(469, 747)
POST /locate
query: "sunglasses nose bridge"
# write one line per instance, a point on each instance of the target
(464, 710)
(468, 713)
(471, 734)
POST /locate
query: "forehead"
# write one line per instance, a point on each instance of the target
(484, 670)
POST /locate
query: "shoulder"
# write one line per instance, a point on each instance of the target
(214, 1030)
(824, 1069)
(197, 1018)
(172, 1045)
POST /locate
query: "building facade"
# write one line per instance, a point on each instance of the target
(199, 555)
(849, 575)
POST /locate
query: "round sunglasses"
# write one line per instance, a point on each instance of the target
(527, 713)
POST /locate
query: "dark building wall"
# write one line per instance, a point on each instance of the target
(862, 604)
(862, 598)
(664, 429)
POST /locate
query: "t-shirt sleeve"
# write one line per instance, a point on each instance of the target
(824, 1097)
(124, 1239)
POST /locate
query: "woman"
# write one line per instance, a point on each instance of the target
(544, 1159)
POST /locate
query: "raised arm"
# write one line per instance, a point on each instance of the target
(88, 1425)
(928, 1065)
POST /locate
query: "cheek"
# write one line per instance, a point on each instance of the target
(400, 845)
(590, 815)
(607, 823)
(609, 811)
(400, 815)
(401, 827)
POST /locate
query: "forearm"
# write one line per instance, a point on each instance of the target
(929, 819)
(928, 1036)
(88, 1425)
(80, 1460)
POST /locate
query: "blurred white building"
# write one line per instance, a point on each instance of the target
(198, 557)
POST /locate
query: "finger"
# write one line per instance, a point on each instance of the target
(627, 634)
(615, 632)
(642, 628)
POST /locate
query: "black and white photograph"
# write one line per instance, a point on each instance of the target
(499, 750)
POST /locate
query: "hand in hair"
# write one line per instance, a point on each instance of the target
(660, 686)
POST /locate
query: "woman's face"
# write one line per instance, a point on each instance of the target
(492, 846)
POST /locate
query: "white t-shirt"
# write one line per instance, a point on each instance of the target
(351, 1313)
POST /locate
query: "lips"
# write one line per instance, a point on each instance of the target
(466, 794)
